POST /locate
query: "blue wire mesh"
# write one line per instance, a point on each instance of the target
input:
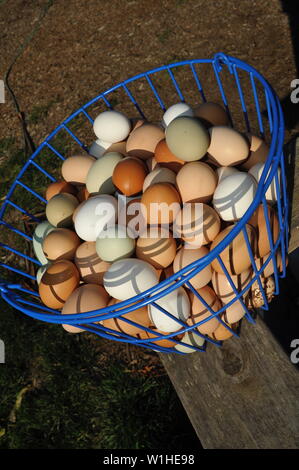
(246, 90)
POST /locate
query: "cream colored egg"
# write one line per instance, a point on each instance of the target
(225, 171)
(128, 277)
(186, 256)
(177, 304)
(111, 126)
(234, 195)
(159, 175)
(93, 215)
(99, 177)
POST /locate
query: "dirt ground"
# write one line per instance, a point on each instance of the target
(84, 47)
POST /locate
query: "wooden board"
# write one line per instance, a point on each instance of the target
(246, 393)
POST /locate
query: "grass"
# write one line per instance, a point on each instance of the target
(56, 390)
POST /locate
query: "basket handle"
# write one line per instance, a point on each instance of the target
(219, 59)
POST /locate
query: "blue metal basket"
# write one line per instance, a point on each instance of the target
(268, 119)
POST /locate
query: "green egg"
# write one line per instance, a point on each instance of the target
(60, 209)
(39, 235)
(187, 138)
(114, 244)
(99, 177)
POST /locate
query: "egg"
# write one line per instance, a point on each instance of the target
(223, 288)
(82, 195)
(161, 341)
(222, 333)
(90, 266)
(143, 141)
(111, 126)
(269, 269)
(187, 138)
(60, 209)
(41, 270)
(258, 221)
(255, 298)
(271, 193)
(39, 234)
(99, 177)
(128, 277)
(201, 312)
(61, 243)
(130, 215)
(225, 171)
(165, 158)
(59, 187)
(115, 243)
(193, 340)
(157, 246)
(98, 148)
(177, 304)
(234, 195)
(197, 224)
(258, 152)
(188, 179)
(75, 169)
(57, 283)
(151, 163)
(160, 203)
(186, 256)
(235, 256)
(159, 175)
(129, 175)
(85, 298)
(139, 316)
(119, 147)
(93, 215)
(227, 147)
(234, 313)
(174, 111)
(212, 114)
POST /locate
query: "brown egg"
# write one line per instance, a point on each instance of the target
(165, 158)
(159, 175)
(188, 179)
(201, 312)
(156, 246)
(136, 122)
(151, 163)
(75, 169)
(186, 256)
(258, 152)
(197, 224)
(235, 256)
(89, 264)
(83, 194)
(160, 203)
(139, 316)
(57, 283)
(85, 298)
(60, 209)
(165, 273)
(61, 243)
(224, 290)
(119, 147)
(227, 147)
(129, 175)
(164, 343)
(212, 114)
(142, 141)
(234, 313)
(258, 221)
(222, 333)
(269, 269)
(60, 187)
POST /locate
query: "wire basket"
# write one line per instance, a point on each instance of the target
(251, 105)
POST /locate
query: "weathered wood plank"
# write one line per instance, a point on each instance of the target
(245, 394)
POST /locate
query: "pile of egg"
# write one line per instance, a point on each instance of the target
(192, 156)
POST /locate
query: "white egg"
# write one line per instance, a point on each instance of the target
(177, 303)
(128, 277)
(41, 270)
(225, 171)
(99, 176)
(159, 175)
(192, 339)
(40, 232)
(234, 195)
(256, 171)
(94, 215)
(176, 110)
(98, 148)
(112, 126)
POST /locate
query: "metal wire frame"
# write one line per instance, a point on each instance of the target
(17, 296)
